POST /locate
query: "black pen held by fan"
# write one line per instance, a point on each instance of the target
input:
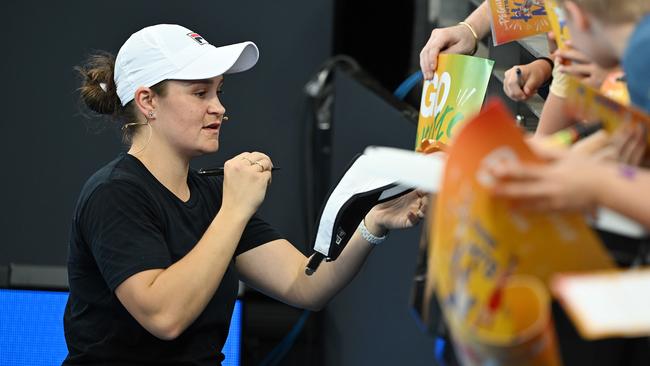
(219, 171)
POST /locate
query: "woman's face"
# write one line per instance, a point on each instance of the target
(190, 114)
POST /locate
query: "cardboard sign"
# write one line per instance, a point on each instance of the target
(557, 17)
(516, 19)
(455, 93)
(587, 103)
(478, 242)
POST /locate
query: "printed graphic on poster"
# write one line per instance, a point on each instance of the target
(587, 103)
(614, 86)
(516, 19)
(479, 244)
(557, 18)
(455, 93)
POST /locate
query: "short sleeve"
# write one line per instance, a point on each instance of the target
(635, 65)
(122, 231)
(256, 233)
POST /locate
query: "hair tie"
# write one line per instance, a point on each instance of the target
(104, 87)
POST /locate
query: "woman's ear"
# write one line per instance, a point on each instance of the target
(144, 100)
(577, 16)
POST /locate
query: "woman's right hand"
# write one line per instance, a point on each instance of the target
(245, 180)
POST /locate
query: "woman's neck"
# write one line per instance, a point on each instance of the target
(167, 166)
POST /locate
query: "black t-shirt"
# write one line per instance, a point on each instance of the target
(127, 222)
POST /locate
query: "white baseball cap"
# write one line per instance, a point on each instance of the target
(169, 51)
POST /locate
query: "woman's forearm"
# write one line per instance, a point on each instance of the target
(316, 290)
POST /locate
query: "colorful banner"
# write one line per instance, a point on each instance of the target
(456, 92)
(587, 103)
(557, 18)
(479, 242)
(516, 19)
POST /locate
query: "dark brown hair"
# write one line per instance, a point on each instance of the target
(97, 71)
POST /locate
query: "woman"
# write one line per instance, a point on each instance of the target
(156, 250)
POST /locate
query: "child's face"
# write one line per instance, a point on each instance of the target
(588, 36)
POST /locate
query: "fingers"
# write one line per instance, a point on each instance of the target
(532, 83)
(521, 85)
(573, 55)
(512, 84)
(636, 157)
(552, 44)
(626, 145)
(412, 218)
(422, 204)
(258, 160)
(520, 190)
(592, 144)
(545, 150)
(519, 172)
(429, 54)
(455, 39)
(578, 64)
(576, 69)
(632, 145)
(252, 161)
(416, 203)
(425, 64)
(424, 201)
(608, 153)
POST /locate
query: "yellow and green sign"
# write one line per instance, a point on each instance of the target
(456, 92)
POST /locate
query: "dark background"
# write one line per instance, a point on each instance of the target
(48, 148)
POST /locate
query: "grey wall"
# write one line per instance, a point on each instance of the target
(48, 150)
(370, 322)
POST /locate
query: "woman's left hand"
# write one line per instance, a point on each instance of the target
(399, 213)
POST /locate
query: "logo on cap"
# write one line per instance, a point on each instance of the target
(197, 37)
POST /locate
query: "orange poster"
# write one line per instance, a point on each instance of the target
(479, 245)
(614, 86)
(455, 93)
(516, 19)
(557, 17)
(587, 103)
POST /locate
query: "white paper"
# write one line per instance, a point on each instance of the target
(607, 304)
(410, 168)
(356, 180)
(613, 222)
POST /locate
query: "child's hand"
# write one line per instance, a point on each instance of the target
(575, 63)
(524, 85)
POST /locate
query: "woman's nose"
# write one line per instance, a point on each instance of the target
(216, 107)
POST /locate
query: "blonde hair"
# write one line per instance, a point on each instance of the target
(614, 11)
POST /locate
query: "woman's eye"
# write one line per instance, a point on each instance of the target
(219, 91)
(200, 94)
